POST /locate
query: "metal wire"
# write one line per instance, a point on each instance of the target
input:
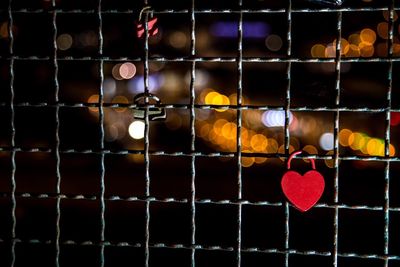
(193, 201)
(57, 137)
(12, 124)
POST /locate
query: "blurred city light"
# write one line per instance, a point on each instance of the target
(136, 130)
(64, 41)
(274, 42)
(136, 85)
(326, 141)
(250, 29)
(275, 118)
(127, 70)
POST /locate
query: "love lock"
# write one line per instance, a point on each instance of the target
(154, 113)
(302, 191)
(152, 29)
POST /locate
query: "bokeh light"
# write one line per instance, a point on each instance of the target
(275, 118)
(127, 70)
(178, 39)
(383, 30)
(215, 98)
(119, 99)
(274, 42)
(259, 143)
(356, 141)
(64, 41)
(326, 141)
(310, 149)
(318, 51)
(93, 99)
(368, 36)
(247, 161)
(344, 137)
(136, 130)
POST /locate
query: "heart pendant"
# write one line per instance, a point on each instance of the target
(303, 191)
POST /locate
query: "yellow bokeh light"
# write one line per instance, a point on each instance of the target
(354, 39)
(204, 93)
(260, 160)
(229, 131)
(310, 149)
(92, 100)
(366, 50)
(214, 98)
(218, 125)
(246, 137)
(344, 137)
(354, 51)
(373, 146)
(272, 146)
(247, 161)
(383, 30)
(318, 51)
(344, 46)
(209, 97)
(330, 163)
(259, 143)
(204, 130)
(364, 148)
(212, 136)
(392, 151)
(330, 51)
(119, 99)
(368, 36)
(356, 141)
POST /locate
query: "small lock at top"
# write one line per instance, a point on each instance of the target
(154, 113)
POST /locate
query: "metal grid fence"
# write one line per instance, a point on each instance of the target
(387, 258)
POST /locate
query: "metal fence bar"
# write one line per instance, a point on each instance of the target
(232, 202)
(197, 154)
(209, 11)
(101, 136)
(336, 137)
(146, 134)
(287, 118)
(387, 130)
(203, 107)
(207, 59)
(89, 243)
(57, 136)
(193, 132)
(12, 124)
(239, 99)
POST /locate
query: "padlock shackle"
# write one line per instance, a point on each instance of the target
(295, 154)
(142, 11)
(146, 95)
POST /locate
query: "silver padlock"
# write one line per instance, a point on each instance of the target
(154, 113)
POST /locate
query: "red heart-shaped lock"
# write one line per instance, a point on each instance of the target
(303, 191)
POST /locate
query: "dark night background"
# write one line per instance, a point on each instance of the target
(364, 85)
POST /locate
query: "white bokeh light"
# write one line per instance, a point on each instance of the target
(326, 141)
(136, 130)
(275, 118)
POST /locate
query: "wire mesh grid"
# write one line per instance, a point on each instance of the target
(238, 202)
